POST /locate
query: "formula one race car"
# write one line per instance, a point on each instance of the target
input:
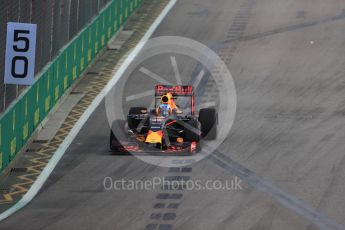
(171, 126)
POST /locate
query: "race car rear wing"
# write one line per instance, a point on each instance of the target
(177, 90)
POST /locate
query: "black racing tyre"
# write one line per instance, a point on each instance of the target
(192, 135)
(114, 142)
(133, 123)
(208, 119)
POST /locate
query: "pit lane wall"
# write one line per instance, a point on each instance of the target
(20, 121)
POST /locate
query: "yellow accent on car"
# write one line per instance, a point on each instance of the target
(154, 137)
(179, 139)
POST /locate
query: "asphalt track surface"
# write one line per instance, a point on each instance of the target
(286, 144)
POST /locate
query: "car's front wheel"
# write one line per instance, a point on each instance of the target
(118, 126)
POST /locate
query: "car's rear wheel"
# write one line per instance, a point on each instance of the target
(208, 118)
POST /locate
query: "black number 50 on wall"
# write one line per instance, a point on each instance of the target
(20, 53)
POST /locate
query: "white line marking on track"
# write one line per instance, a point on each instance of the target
(37, 185)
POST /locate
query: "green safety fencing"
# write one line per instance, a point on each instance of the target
(19, 122)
